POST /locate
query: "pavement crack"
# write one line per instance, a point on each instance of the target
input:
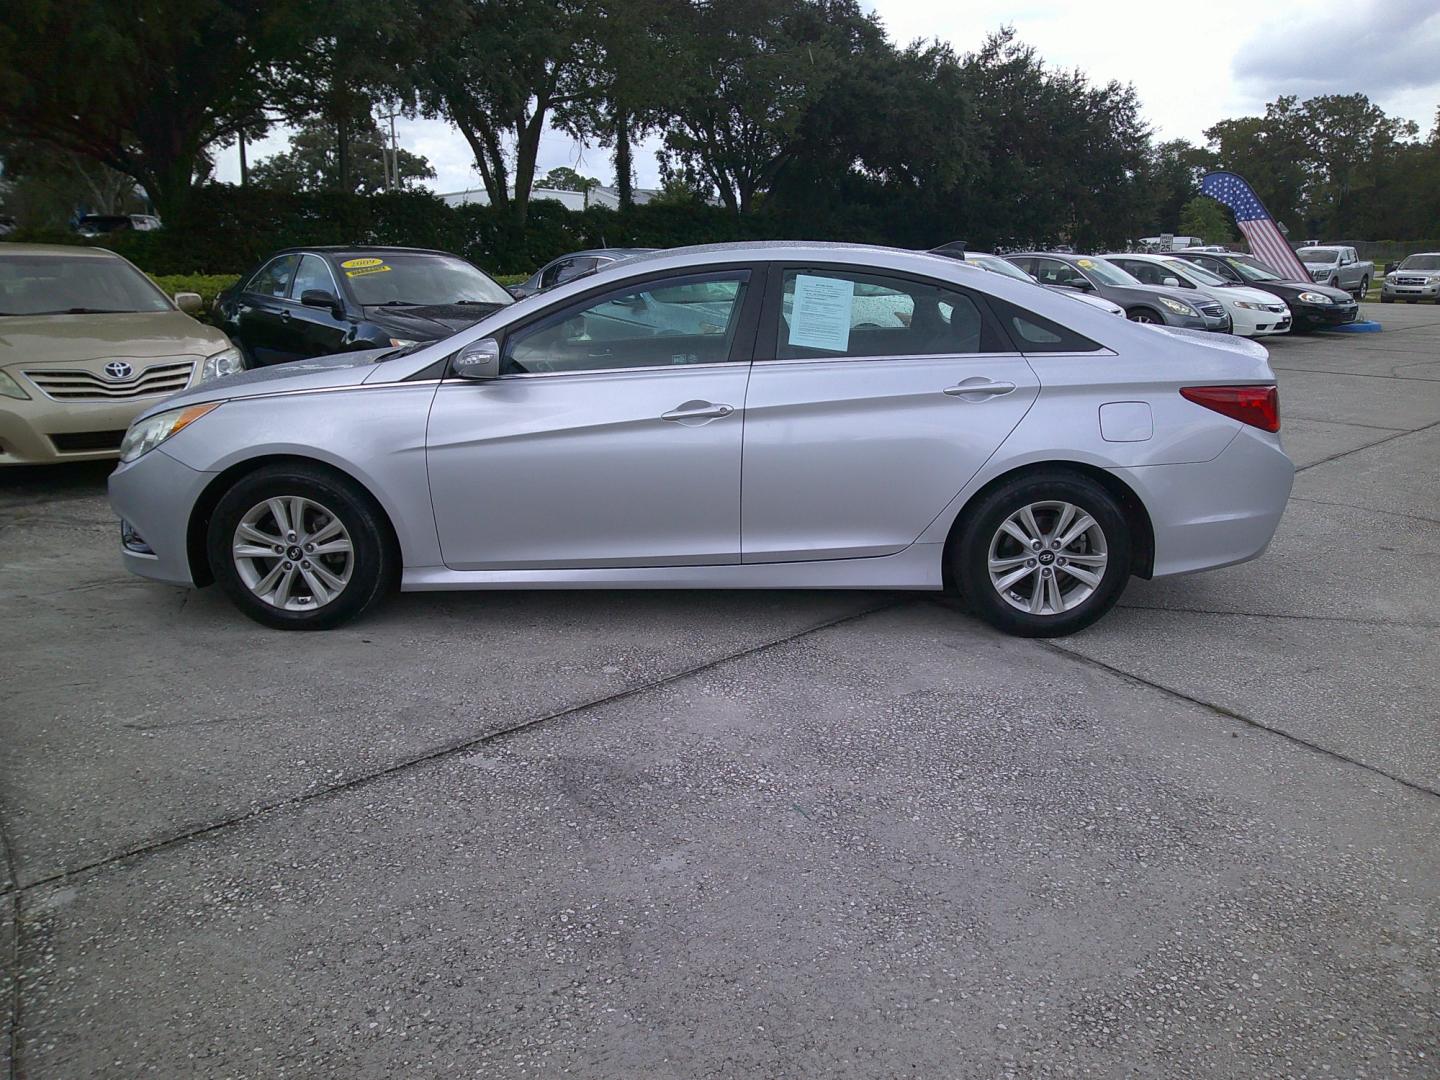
(1281, 615)
(1370, 446)
(1231, 714)
(439, 753)
(1367, 509)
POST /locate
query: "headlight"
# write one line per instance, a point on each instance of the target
(396, 342)
(1247, 305)
(225, 362)
(1315, 298)
(10, 388)
(149, 433)
(1177, 307)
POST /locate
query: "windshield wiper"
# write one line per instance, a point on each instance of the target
(399, 303)
(82, 311)
(480, 303)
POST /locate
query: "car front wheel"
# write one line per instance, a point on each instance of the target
(298, 548)
(1143, 315)
(1044, 555)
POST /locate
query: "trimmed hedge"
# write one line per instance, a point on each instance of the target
(228, 229)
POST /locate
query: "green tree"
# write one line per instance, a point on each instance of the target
(312, 162)
(1202, 216)
(144, 88)
(565, 178)
(498, 71)
(749, 73)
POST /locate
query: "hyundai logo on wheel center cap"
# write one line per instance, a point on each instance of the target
(118, 369)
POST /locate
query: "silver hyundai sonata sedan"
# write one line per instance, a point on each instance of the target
(734, 416)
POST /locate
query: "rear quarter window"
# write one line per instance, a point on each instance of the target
(1036, 334)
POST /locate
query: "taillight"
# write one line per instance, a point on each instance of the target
(1258, 406)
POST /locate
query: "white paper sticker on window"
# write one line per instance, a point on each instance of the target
(820, 315)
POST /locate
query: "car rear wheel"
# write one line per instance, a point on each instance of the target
(297, 548)
(1364, 288)
(1143, 315)
(1044, 555)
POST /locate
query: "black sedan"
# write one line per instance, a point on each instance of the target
(316, 301)
(1312, 306)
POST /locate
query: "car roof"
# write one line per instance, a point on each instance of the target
(57, 249)
(606, 251)
(359, 249)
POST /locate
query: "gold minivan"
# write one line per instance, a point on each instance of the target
(86, 342)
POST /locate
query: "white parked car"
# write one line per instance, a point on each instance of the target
(1415, 279)
(1253, 313)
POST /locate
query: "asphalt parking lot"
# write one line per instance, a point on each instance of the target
(763, 835)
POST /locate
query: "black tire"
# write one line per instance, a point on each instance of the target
(1364, 288)
(372, 567)
(971, 553)
(1144, 315)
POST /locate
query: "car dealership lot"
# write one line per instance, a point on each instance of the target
(692, 834)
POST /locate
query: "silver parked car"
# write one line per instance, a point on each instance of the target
(733, 416)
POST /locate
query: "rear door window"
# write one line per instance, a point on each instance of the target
(838, 313)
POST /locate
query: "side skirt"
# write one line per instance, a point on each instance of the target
(917, 567)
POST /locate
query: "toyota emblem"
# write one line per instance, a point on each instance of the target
(118, 369)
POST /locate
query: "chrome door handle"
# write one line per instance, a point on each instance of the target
(697, 410)
(979, 388)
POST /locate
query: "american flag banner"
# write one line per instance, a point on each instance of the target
(1259, 228)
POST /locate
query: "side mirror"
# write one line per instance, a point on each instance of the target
(1084, 285)
(478, 360)
(320, 298)
(1172, 282)
(192, 303)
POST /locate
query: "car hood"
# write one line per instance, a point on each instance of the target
(320, 373)
(1134, 293)
(429, 322)
(1291, 290)
(43, 340)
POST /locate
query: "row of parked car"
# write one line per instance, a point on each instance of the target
(89, 340)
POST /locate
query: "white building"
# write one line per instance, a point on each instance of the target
(571, 200)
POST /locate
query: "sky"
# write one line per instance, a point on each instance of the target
(1192, 64)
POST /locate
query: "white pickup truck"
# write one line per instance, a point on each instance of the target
(1338, 267)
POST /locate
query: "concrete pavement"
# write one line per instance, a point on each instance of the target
(682, 835)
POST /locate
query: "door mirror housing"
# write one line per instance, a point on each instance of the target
(1174, 283)
(192, 303)
(322, 298)
(1083, 284)
(478, 360)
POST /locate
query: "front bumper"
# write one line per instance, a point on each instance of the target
(154, 496)
(1251, 323)
(1312, 315)
(1219, 512)
(1390, 291)
(39, 431)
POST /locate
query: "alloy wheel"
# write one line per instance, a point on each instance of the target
(1047, 557)
(293, 553)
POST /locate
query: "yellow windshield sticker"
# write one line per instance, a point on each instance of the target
(359, 264)
(368, 270)
(1086, 263)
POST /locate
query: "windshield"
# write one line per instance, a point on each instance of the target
(78, 284)
(999, 266)
(1318, 255)
(1421, 262)
(1193, 272)
(1253, 269)
(420, 280)
(1106, 273)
